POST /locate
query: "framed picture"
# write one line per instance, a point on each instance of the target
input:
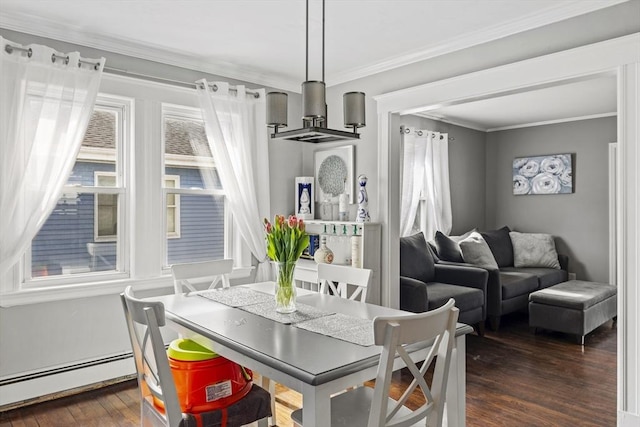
(304, 197)
(550, 174)
(334, 172)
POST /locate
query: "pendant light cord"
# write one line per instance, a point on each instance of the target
(322, 40)
(306, 76)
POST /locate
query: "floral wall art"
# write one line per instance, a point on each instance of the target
(551, 174)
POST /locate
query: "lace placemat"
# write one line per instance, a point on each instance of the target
(237, 296)
(268, 309)
(347, 328)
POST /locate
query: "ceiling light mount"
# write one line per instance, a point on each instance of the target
(314, 107)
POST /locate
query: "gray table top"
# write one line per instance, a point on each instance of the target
(307, 356)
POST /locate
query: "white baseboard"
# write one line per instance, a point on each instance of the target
(28, 389)
(627, 419)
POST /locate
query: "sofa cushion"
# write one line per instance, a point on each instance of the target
(415, 258)
(546, 276)
(466, 298)
(448, 249)
(575, 294)
(515, 284)
(476, 251)
(500, 244)
(534, 250)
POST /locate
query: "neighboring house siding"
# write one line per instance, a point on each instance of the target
(201, 222)
(62, 240)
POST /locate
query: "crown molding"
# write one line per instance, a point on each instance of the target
(546, 17)
(53, 30)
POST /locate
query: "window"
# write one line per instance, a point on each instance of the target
(106, 209)
(131, 207)
(81, 235)
(192, 190)
(173, 207)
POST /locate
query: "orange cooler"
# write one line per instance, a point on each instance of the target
(204, 380)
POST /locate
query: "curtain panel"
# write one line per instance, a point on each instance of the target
(235, 127)
(46, 103)
(425, 178)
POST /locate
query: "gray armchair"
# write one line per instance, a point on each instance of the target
(426, 285)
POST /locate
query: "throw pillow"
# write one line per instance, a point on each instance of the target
(476, 251)
(415, 258)
(534, 250)
(500, 244)
(447, 248)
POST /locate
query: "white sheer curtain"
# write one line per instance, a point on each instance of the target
(46, 103)
(425, 180)
(235, 126)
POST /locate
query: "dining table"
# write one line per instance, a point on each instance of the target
(313, 363)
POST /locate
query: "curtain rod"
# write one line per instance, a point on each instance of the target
(404, 130)
(10, 48)
(213, 86)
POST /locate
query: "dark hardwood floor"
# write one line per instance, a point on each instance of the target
(514, 378)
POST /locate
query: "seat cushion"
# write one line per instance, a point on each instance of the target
(546, 276)
(576, 294)
(253, 407)
(500, 244)
(415, 258)
(515, 284)
(466, 298)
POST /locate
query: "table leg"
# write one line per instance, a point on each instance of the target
(316, 406)
(456, 387)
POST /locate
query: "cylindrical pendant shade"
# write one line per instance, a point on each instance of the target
(354, 114)
(313, 101)
(277, 109)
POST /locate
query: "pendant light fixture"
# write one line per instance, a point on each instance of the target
(314, 107)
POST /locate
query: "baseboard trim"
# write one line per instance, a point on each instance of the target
(627, 419)
(47, 386)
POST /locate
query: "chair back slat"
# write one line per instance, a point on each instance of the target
(394, 333)
(155, 379)
(187, 275)
(339, 278)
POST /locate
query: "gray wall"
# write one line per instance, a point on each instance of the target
(580, 221)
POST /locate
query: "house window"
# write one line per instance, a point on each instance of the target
(193, 194)
(106, 209)
(173, 207)
(82, 234)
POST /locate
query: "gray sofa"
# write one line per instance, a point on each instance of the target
(508, 287)
(425, 285)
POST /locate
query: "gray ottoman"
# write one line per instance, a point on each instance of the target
(574, 307)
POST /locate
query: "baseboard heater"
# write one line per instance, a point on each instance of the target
(65, 380)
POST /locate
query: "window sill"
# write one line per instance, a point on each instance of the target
(93, 289)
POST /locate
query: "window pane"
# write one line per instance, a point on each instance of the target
(201, 230)
(187, 153)
(65, 243)
(81, 234)
(107, 215)
(98, 150)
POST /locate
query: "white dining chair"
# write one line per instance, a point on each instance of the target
(306, 278)
(373, 407)
(205, 273)
(155, 380)
(344, 281)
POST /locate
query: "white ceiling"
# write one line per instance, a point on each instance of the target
(263, 41)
